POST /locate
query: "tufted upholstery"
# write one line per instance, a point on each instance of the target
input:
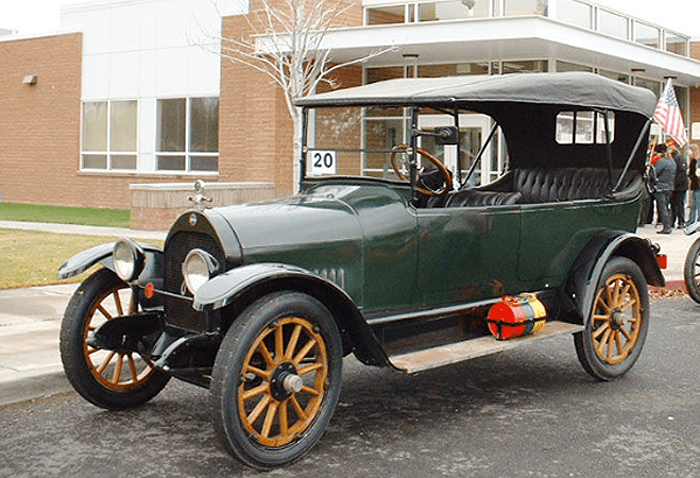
(471, 197)
(566, 184)
(533, 186)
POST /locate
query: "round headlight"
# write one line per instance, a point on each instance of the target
(128, 259)
(197, 269)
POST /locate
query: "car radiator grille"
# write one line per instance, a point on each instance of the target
(179, 312)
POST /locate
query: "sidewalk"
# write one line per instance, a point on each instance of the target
(30, 319)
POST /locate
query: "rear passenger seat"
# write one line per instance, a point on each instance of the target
(567, 184)
(533, 186)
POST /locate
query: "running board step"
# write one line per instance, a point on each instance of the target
(458, 352)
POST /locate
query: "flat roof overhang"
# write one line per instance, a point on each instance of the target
(506, 38)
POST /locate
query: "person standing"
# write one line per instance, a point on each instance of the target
(680, 185)
(694, 153)
(665, 171)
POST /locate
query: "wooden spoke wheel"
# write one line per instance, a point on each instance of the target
(276, 379)
(401, 170)
(283, 382)
(617, 327)
(107, 378)
(616, 319)
(691, 271)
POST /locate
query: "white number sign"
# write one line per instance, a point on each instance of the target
(322, 162)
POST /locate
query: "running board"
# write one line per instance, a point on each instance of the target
(458, 352)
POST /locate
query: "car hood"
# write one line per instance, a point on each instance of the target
(315, 218)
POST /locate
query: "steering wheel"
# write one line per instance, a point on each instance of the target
(447, 176)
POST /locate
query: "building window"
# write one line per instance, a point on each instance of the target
(515, 8)
(537, 66)
(647, 35)
(109, 135)
(386, 15)
(563, 66)
(453, 10)
(652, 85)
(374, 75)
(453, 69)
(676, 44)
(613, 24)
(575, 13)
(614, 75)
(188, 134)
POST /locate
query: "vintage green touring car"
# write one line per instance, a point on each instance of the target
(427, 207)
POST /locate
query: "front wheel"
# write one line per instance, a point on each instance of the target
(276, 379)
(691, 271)
(617, 326)
(112, 379)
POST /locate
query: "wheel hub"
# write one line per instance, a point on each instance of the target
(617, 319)
(285, 382)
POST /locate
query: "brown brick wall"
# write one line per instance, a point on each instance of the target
(40, 126)
(39, 130)
(694, 94)
(251, 113)
(256, 132)
(694, 109)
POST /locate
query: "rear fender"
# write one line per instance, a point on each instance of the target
(587, 269)
(241, 286)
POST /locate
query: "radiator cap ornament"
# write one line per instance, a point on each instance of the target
(198, 199)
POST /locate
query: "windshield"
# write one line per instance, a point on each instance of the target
(373, 142)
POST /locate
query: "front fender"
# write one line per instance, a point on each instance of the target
(222, 289)
(588, 267)
(243, 285)
(102, 253)
(82, 261)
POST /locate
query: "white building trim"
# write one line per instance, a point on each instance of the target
(506, 38)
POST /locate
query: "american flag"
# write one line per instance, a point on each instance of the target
(668, 115)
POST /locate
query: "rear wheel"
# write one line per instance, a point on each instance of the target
(276, 379)
(691, 271)
(617, 325)
(110, 379)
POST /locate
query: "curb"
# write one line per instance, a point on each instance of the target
(23, 387)
(672, 285)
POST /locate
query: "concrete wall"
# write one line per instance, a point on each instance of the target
(156, 206)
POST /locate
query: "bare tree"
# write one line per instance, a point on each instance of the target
(286, 42)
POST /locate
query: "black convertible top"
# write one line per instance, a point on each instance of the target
(577, 89)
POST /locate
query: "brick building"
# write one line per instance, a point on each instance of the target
(130, 93)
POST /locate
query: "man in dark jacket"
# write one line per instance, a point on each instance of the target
(680, 186)
(665, 171)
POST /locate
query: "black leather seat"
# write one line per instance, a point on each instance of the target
(568, 184)
(475, 197)
(533, 186)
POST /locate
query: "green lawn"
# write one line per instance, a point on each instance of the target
(65, 214)
(32, 258)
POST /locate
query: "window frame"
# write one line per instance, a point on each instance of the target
(109, 153)
(582, 136)
(188, 154)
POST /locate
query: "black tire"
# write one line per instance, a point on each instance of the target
(108, 379)
(616, 327)
(277, 343)
(691, 271)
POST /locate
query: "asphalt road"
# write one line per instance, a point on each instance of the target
(530, 412)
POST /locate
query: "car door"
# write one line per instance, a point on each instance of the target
(467, 254)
